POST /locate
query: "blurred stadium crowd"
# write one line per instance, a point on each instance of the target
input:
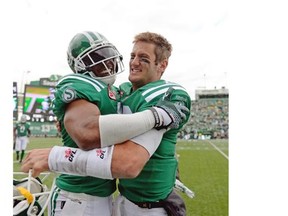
(209, 120)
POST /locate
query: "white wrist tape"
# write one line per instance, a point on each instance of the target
(164, 118)
(117, 128)
(74, 161)
(150, 140)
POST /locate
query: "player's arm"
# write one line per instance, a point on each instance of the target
(87, 127)
(81, 121)
(14, 132)
(129, 158)
(91, 130)
(29, 132)
(125, 160)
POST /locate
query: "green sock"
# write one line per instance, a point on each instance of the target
(22, 155)
(17, 155)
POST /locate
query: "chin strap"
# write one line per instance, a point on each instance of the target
(109, 80)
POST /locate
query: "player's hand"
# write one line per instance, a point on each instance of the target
(168, 114)
(37, 160)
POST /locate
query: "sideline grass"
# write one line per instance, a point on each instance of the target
(202, 168)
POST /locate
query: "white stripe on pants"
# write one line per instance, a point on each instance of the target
(64, 203)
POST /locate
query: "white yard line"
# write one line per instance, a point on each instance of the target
(218, 149)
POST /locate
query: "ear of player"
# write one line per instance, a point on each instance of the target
(168, 114)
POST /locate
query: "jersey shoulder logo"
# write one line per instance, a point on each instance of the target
(69, 95)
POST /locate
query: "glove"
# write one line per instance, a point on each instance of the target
(168, 114)
(181, 187)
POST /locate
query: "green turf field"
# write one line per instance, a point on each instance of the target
(203, 168)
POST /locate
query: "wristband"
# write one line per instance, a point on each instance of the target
(67, 160)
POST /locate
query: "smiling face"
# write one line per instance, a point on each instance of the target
(143, 66)
(104, 68)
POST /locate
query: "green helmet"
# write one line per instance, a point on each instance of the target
(23, 119)
(87, 49)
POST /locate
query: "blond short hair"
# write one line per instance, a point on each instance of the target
(163, 48)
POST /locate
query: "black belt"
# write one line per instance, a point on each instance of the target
(149, 205)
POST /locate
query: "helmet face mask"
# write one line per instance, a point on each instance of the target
(92, 53)
(35, 188)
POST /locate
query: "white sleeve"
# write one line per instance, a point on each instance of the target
(150, 140)
(117, 128)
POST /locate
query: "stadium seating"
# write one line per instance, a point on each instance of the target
(209, 117)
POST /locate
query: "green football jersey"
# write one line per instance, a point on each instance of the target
(73, 87)
(22, 129)
(157, 178)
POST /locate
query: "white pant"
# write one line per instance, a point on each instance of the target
(124, 207)
(66, 203)
(21, 143)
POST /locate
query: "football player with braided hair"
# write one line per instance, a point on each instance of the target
(80, 98)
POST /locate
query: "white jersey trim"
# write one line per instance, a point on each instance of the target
(161, 86)
(97, 85)
(161, 91)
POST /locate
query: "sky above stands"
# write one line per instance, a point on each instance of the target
(196, 29)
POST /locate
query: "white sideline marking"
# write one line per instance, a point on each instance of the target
(218, 149)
